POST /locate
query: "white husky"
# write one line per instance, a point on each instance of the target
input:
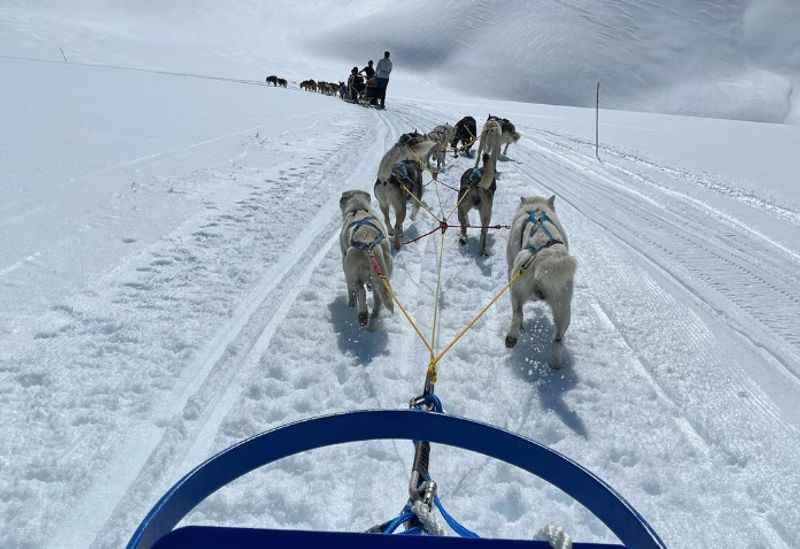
(364, 250)
(538, 246)
(410, 146)
(491, 136)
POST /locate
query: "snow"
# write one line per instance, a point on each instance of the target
(170, 283)
(721, 58)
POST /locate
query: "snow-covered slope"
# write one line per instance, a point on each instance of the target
(170, 282)
(722, 58)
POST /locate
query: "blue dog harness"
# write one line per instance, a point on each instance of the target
(368, 222)
(538, 219)
(475, 176)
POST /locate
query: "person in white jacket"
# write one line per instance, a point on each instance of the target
(382, 72)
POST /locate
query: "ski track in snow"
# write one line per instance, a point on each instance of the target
(237, 322)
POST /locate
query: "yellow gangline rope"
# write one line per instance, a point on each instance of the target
(409, 318)
(421, 204)
(435, 332)
(432, 372)
(435, 361)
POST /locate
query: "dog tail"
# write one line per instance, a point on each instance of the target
(377, 283)
(555, 272)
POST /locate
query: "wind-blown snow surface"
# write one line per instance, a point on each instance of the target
(212, 307)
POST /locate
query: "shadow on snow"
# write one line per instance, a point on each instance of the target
(353, 340)
(530, 360)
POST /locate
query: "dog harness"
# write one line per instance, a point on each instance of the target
(369, 221)
(475, 176)
(538, 219)
(401, 173)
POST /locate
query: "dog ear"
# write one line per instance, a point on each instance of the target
(552, 201)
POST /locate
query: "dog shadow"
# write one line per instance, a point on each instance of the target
(409, 233)
(531, 359)
(354, 340)
(472, 249)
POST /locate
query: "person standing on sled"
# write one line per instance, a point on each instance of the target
(372, 83)
(382, 73)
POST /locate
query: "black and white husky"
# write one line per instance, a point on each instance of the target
(538, 247)
(465, 134)
(403, 185)
(365, 252)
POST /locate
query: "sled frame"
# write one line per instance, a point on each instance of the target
(241, 458)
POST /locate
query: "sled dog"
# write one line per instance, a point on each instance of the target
(410, 146)
(510, 133)
(404, 185)
(272, 79)
(465, 134)
(480, 186)
(441, 135)
(364, 249)
(538, 247)
(491, 135)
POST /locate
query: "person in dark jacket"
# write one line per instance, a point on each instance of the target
(356, 84)
(368, 71)
(372, 83)
(382, 73)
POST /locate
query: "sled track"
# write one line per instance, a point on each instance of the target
(197, 407)
(682, 238)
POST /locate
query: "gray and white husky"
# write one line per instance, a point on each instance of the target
(363, 240)
(491, 136)
(410, 146)
(538, 246)
(403, 185)
(479, 186)
(441, 135)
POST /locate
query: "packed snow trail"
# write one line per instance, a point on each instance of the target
(677, 389)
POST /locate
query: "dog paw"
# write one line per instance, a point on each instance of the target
(511, 342)
(462, 240)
